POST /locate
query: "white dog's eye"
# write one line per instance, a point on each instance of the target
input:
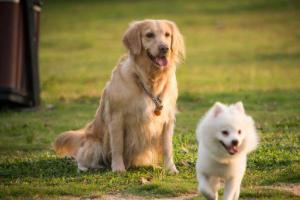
(167, 34)
(225, 133)
(239, 131)
(150, 35)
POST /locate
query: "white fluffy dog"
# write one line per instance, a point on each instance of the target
(225, 136)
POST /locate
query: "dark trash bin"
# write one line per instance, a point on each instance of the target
(19, 39)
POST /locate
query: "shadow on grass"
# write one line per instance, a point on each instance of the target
(43, 168)
(38, 168)
(288, 178)
(289, 173)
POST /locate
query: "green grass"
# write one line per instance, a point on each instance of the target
(236, 50)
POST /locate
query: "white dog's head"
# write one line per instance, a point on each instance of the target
(228, 131)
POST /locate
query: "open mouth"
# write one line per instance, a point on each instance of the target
(232, 149)
(160, 61)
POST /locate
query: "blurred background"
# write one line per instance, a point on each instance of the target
(236, 50)
(231, 46)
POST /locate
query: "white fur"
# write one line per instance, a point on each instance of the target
(214, 161)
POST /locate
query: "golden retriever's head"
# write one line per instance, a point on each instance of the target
(158, 41)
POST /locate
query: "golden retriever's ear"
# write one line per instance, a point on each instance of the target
(132, 39)
(177, 45)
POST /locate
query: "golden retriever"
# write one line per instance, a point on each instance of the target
(134, 122)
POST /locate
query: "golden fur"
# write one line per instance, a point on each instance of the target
(125, 131)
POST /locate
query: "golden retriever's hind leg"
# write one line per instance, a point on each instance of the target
(89, 155)
(81, 168)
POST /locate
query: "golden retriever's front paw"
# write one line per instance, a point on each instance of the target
(118, 167)
(172, 169)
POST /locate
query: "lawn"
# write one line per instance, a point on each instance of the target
(236, 50)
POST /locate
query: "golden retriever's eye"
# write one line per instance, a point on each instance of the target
(167, 34)
(150, 35)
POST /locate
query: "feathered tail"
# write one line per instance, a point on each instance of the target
(68, 143)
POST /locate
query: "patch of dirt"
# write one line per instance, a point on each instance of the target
(289, 187)
(120, 197)
(293, 188)
(132, 197)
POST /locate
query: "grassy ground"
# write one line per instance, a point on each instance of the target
(238, 50)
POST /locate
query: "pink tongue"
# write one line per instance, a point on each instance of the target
(161, 61)
(233, 149)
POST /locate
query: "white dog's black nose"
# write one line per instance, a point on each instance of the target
(163, 49)
(234, 142)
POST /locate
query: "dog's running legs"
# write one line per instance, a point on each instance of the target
(168, 147)
(116, 133)
(208, 188)
(214, 184)
(237, 193)
(231, 190)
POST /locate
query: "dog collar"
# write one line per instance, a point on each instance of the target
(156, 99)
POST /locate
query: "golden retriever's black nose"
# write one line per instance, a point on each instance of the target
(163, 49)
(234, 142)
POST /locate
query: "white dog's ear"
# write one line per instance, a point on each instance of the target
(177, 44)
(218, 108)
(132, 38)
(239, 106)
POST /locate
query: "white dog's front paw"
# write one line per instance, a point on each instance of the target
(118, 167)
(207, 193)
